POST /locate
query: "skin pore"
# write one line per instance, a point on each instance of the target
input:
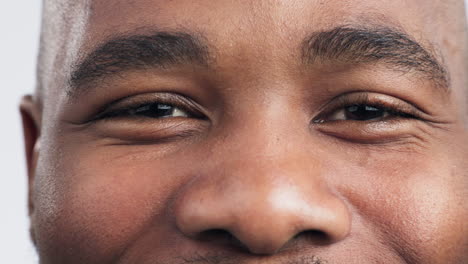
(263, 131)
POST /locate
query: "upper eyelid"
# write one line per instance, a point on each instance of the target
(141, 99)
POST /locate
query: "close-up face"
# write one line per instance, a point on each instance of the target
(249, 131)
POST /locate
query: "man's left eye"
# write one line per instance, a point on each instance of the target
(367, 107)
(360, 112)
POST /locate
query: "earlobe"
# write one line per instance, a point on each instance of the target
(31, 119)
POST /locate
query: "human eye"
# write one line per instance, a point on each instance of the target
(368, 117)
(149, 118)
(148, 110)
(367, 108)
(362, 112)
(147, 107)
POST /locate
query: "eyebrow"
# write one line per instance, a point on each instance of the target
(159, 50)
(343, 44)
(355, 45)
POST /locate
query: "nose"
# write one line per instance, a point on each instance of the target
(262, 204)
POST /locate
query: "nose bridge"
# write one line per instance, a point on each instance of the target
(267, 131)
(262, 161)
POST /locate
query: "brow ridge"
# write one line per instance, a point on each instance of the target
(343, 44)
(360, 45)
(159, 50)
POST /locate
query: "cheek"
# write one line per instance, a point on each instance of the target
(440, 214)
(414, 202)
(93, 204)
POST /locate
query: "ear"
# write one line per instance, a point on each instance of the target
(31, 117)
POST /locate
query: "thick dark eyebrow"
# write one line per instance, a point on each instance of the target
(158, 50)
(355, 45)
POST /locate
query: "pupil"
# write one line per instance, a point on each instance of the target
(363, 112)
(155, 110)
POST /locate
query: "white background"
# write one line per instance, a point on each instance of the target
(19, 37)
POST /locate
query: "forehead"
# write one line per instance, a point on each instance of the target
(251, 29)
(258, 19)
(266, 33)
(246, 29)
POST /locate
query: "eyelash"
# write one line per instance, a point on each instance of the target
(125, 111)
(184, 104)
(394, 109)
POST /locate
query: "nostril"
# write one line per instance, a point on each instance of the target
(214, 234)
(316, 237)
(221, 237)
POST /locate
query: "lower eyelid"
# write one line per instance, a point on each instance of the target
(150, 130)
(366, 131)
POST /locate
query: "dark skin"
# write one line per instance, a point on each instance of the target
(249, 132)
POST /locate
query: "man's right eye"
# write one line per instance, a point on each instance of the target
(150, 118)
(151, 106)
(151, 110)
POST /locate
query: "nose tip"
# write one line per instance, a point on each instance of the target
(262, 223)
(259, 235)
